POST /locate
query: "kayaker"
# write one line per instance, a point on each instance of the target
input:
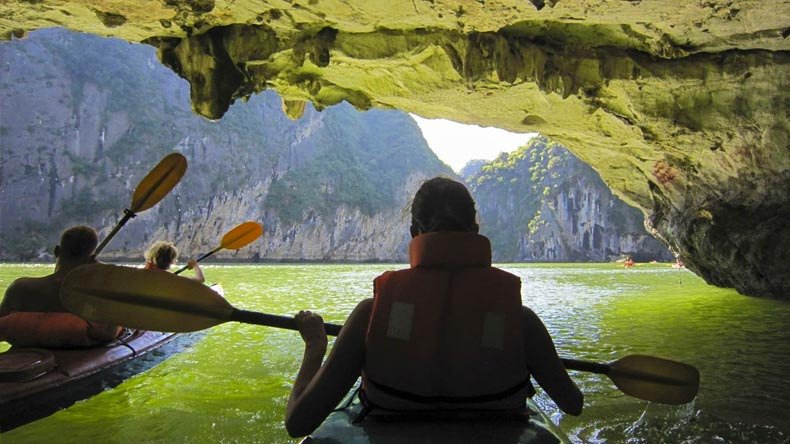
(162, 255)
(449, 333)
(31, 314)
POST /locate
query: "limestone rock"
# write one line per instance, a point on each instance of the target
(680, 106)
(541, 204)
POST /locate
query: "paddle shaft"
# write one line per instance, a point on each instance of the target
(128, 214)
(254, 317)
(586, 366)
(198, 259)
(240, 236)
(145, 191)
(288, 323)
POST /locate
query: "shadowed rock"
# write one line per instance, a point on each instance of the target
(680, 106)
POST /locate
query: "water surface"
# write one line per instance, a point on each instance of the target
(232, 385)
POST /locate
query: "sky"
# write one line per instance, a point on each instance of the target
(456, 144)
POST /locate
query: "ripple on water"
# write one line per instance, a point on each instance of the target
(676, 425)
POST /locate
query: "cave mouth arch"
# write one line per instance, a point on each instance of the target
(682, 111)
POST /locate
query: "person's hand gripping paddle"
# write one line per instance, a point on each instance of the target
(240, 236)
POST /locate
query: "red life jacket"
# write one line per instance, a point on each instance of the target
(46, 329)
(446, 333)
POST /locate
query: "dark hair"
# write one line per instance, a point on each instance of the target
(162, 254)
(78, 241)
(442, 204)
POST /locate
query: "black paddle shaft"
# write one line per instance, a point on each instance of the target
(586, 366)
(127, 214)
(288, 323)
(196, 260)
(254, 317)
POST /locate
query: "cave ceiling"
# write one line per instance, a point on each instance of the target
(681, 106)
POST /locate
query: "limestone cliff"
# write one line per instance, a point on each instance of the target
(540, 203)
(680, 106)
(80, 129)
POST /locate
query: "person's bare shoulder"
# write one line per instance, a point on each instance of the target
(531, 319)
(14, 295)
(365, 305)
(357, 322)
(22, 285)
(30, 294)
(364, 308)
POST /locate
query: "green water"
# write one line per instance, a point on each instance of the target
(231, 386)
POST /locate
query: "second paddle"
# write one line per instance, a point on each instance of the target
(240, 236)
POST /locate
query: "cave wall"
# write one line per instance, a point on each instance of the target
(681, 107)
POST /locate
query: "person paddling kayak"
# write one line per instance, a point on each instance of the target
(449, 333)
(31, 314)
(162, 255)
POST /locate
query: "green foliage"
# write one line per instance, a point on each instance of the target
(362, 161)
(27, 241)
(84, 205)
(80, 166)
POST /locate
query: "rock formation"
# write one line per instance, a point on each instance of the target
(680, 106)
(541, 204)
(80, 129)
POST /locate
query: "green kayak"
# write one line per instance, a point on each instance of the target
(529, 426)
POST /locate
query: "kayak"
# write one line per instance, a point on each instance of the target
(527, 426)
(37, 382)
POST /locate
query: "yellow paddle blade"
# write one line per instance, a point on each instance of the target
(157, 183)
(655, 379)
(242, 235)
(145, 299)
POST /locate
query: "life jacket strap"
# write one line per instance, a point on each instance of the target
(451, 399)
(367, 407)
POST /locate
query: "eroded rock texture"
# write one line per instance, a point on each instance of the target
(680, 106)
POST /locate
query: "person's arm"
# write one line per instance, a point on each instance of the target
(546, 366)
(9, 303)
(318, 389)
(193, 265)
(102, 332)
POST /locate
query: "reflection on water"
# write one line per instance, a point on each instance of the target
(232, 386)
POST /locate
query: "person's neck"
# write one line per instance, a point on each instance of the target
(64, 266)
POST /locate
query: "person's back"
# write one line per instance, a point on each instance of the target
(39, 294)
(446, 333)
(31, 313)
(379, 332)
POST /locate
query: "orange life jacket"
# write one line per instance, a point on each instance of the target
(46, 329)
(446, 333)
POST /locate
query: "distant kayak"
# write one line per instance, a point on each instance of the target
(529, 426)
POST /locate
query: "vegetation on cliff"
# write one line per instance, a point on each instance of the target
(540, 203)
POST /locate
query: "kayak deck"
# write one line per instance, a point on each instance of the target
(530, 426)
(79, 374)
